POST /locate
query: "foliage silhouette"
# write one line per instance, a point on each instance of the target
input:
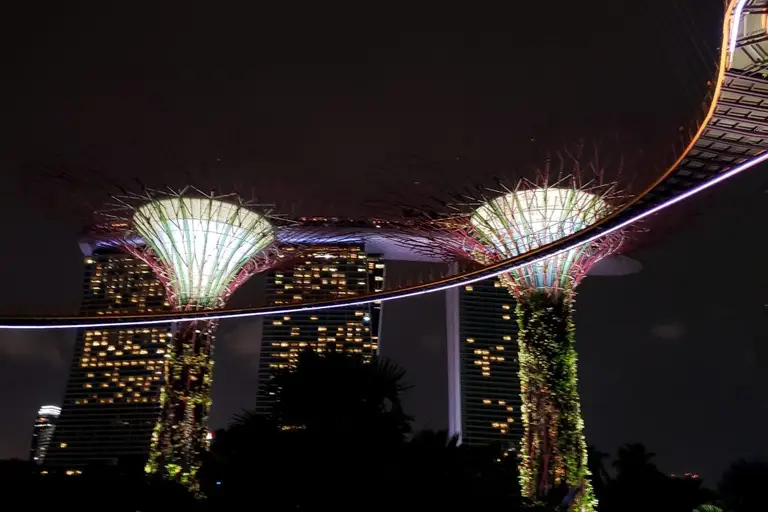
(337, 438)
(743, 486)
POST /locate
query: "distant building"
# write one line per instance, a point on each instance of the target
(483, 383)
(45, 424)
(112, 399)
(325, 272)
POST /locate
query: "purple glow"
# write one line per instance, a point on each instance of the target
(458, 281)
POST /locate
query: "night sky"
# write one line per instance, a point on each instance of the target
(327, 111)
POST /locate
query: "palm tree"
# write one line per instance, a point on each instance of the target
(343, 395)
(596, 462)
(634, 460)
(337, 422)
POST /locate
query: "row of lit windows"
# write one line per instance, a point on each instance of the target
(115, 373)
(329, 291)
(135, 399)
(125, 344)
(146, 385)
(126, 331)
(505, 338)
(486, 352)
(287, 359)
(127, 391)
(315, 286)
(111, 284)
(135, 351)
(106, 341)
(98, 364)
(144, 279)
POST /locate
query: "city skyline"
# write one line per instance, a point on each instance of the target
(671, 331)
(96, 426)
(112, 396)
(329, 127)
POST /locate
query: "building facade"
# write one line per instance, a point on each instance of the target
(325, 272)
(112, 399)
(45, 425)
(484, 388)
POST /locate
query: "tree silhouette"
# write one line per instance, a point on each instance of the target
(600, 477)
(743, 486)
(336, 431)
(640, 486)
(633, 460)
(342, 395)
(336, 439)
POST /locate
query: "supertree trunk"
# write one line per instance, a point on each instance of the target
(179, 439)
(553, 451)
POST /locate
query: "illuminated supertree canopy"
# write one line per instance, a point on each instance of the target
(199, 245)
(508, 221)
(536, 214)
(202, 247)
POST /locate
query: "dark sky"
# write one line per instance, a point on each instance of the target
(326, 110)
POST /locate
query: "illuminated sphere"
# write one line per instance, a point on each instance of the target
(524, 220)
(202, 243)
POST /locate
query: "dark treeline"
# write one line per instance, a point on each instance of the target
(338, 439)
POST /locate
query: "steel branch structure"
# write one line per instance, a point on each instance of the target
(202, 247)
(529, 218)
(496, 225)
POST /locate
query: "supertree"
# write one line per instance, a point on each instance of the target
(202, 247)
(492, 225)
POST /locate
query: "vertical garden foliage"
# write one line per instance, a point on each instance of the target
(179, 438)
(553, 450)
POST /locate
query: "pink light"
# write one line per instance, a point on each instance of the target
(458, 280)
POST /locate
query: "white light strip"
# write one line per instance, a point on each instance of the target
(459, 282)
(735, 23)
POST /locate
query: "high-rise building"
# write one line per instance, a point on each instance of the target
(484, 388)
(45, 425)
(325, 272)
(112, 399)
